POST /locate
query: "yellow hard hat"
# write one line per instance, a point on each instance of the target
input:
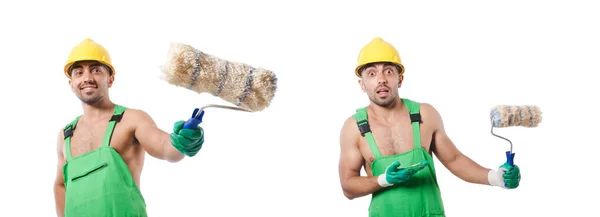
(378, 50)
(88, 50)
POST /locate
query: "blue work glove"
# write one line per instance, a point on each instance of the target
(395, 175)
(505, 177)
(187, 141)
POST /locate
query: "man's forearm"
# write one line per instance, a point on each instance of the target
(59, 198)
(468, 170)
(171, 153)
(360, 186)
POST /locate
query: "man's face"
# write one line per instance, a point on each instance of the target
(381, 82)
(90, 81)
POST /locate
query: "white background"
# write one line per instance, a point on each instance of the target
(257, 164)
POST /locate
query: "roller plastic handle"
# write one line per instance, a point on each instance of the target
(510, 157)
(194, 121)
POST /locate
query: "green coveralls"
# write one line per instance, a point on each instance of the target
(99, 183)
(419, 196)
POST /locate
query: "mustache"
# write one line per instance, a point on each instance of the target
(382, 85)
(87, 84)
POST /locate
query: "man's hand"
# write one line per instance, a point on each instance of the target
(506, 176)
(187, 141)
(394, 175)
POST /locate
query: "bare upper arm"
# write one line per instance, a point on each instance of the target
(60, 153)
(441, 144)
(147, 133)
(351, 160)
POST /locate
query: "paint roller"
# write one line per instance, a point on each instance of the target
(250, 89)
(502, 116)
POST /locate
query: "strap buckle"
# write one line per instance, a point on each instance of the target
(364, 127)
(117, 117)
(416, 118)
(68, 132)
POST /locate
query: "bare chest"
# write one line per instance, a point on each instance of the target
(395, 139)
(89, 137)
(392, 140)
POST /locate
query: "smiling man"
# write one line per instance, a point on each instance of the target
(101, 152)
(394, 138)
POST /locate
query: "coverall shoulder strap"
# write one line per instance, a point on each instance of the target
(117, 115)
(414, 109)
(68, 133)
(362, 121)
(68, 130)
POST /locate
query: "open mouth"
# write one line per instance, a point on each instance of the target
(383, 91)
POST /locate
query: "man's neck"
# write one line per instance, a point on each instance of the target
(99, 110)
(390, 113)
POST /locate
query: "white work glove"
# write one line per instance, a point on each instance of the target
(507, 177)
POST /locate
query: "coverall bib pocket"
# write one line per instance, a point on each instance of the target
(89, 174)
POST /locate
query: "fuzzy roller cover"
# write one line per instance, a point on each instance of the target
(238, 83)
(529, 116)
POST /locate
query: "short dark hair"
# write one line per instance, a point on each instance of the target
(362, 68)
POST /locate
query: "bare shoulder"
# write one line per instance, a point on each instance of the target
(137, 115)
(60, 142)
(427, 109)
(349, 134)
(61, 135)
(430, 114)
(350, 126)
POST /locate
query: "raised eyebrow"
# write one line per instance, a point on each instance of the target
(388, 65)
(393, 67)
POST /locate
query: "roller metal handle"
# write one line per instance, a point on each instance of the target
(510, 157)
(195, 120)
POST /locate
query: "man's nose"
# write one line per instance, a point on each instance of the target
(381, 79)
(87, 76)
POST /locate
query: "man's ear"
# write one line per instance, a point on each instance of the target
(401, 78)
(111, 79)
(71, 85)
(362, 85)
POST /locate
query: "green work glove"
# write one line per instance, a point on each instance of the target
(505, 177)
(395, 175)
(511, 176)
(187, 141)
